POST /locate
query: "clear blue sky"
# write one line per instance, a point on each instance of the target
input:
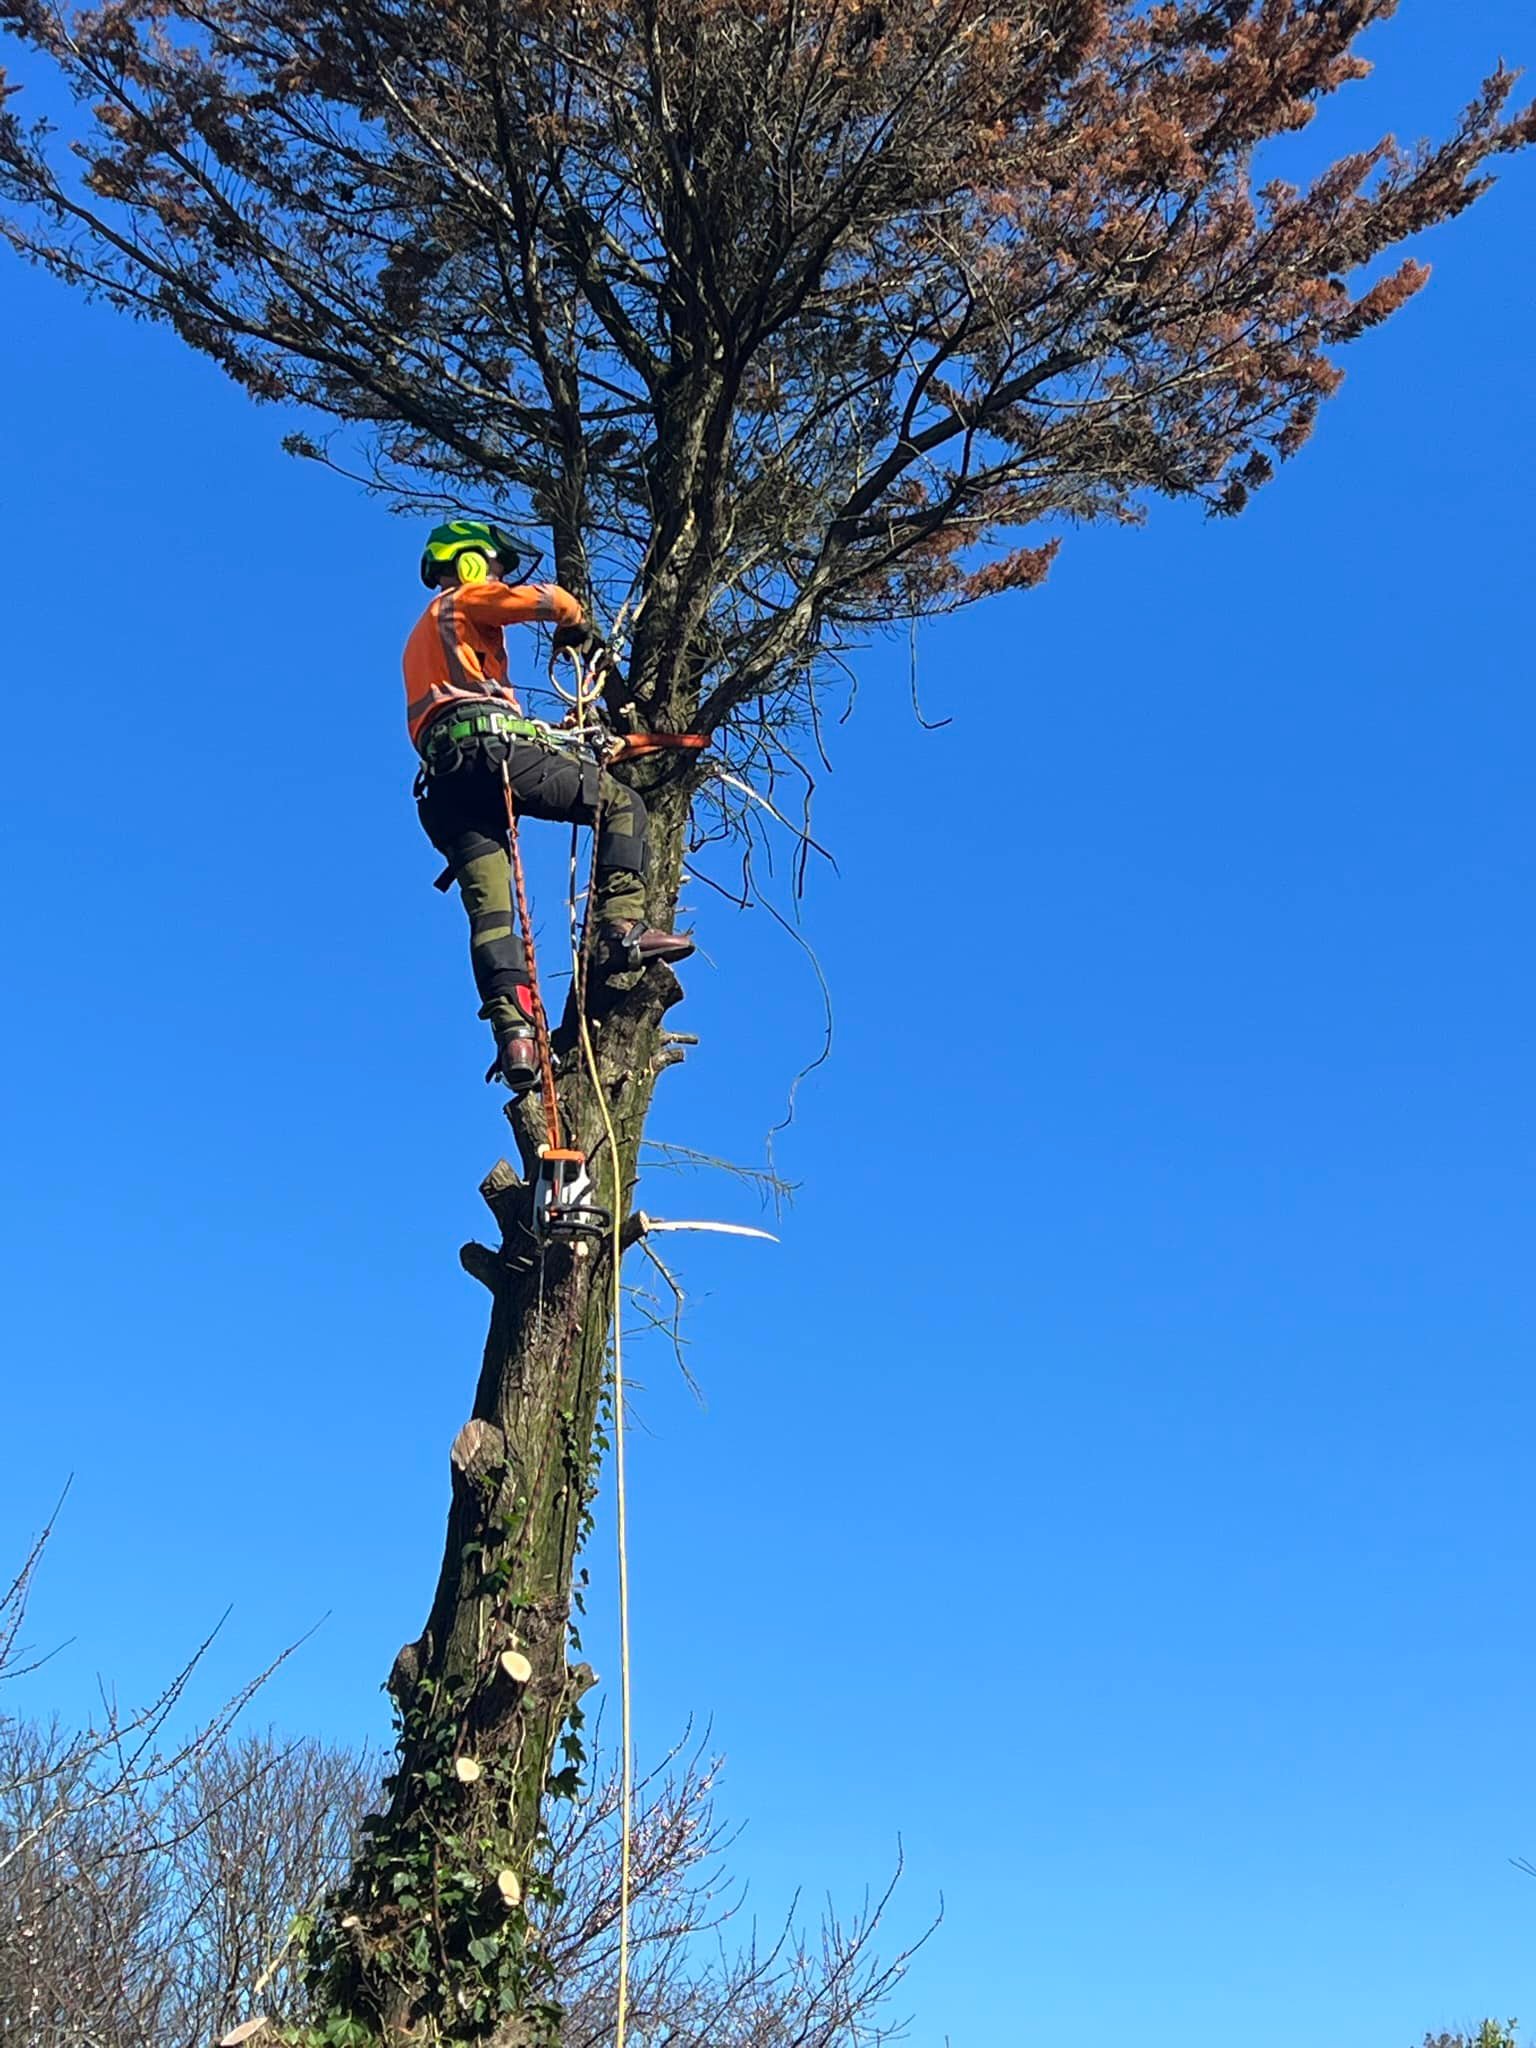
(1145, 1537)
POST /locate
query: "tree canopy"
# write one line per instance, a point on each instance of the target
(782, 318)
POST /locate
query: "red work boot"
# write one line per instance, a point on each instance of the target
(634, 943)
(517, 1052)
(516, 1062)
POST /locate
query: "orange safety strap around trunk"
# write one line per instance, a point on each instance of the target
(540, 1019)
(635, 743)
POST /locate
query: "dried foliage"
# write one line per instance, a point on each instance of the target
(1489, 2034)
(800, 1989)
(787, 316)
(150, 1908)
(149, 1883)
(153, 1895)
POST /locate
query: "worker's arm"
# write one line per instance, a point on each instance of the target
(518, 604)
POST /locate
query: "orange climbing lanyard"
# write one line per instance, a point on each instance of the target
(563, 1204)
(540, 1018)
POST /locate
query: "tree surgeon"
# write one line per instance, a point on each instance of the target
(484, 762)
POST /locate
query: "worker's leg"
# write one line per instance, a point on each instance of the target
(496, 956)
(550, 784)
(623, 851)
(570, 790)
(458, 812)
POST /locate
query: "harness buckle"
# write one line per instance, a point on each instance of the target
(450, 729)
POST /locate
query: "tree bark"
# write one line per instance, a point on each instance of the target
(434, 1938)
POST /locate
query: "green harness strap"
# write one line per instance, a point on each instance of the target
(448, 729)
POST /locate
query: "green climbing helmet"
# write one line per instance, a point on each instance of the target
(460, 542)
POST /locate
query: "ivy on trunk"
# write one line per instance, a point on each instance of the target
(438, 1926)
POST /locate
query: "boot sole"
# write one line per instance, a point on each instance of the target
(518, 1079)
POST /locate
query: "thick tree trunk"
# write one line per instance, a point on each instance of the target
(435, 1937)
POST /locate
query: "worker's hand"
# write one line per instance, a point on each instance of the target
(580, 639)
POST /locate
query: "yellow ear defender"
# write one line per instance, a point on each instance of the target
(470, 567)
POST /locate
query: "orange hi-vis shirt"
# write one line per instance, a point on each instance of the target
(457, 652)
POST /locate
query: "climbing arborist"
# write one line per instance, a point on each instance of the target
(478, 751)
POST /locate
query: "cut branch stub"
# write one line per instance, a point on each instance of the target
(579, 1679)
(479, 1452)
(510, 1679)
(505, 1194)
(405, 1672)
(634, 1229)
(482, 1264)
(515, 1666)
(523, 1116)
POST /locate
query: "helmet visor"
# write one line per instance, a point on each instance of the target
(508, 552)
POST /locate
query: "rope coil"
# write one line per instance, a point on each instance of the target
(530, 961)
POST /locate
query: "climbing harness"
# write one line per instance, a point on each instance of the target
(444, 737)
(488, 721)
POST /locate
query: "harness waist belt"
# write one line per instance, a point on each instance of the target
(449, 727)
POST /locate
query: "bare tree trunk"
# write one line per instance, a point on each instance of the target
(432, 1938)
